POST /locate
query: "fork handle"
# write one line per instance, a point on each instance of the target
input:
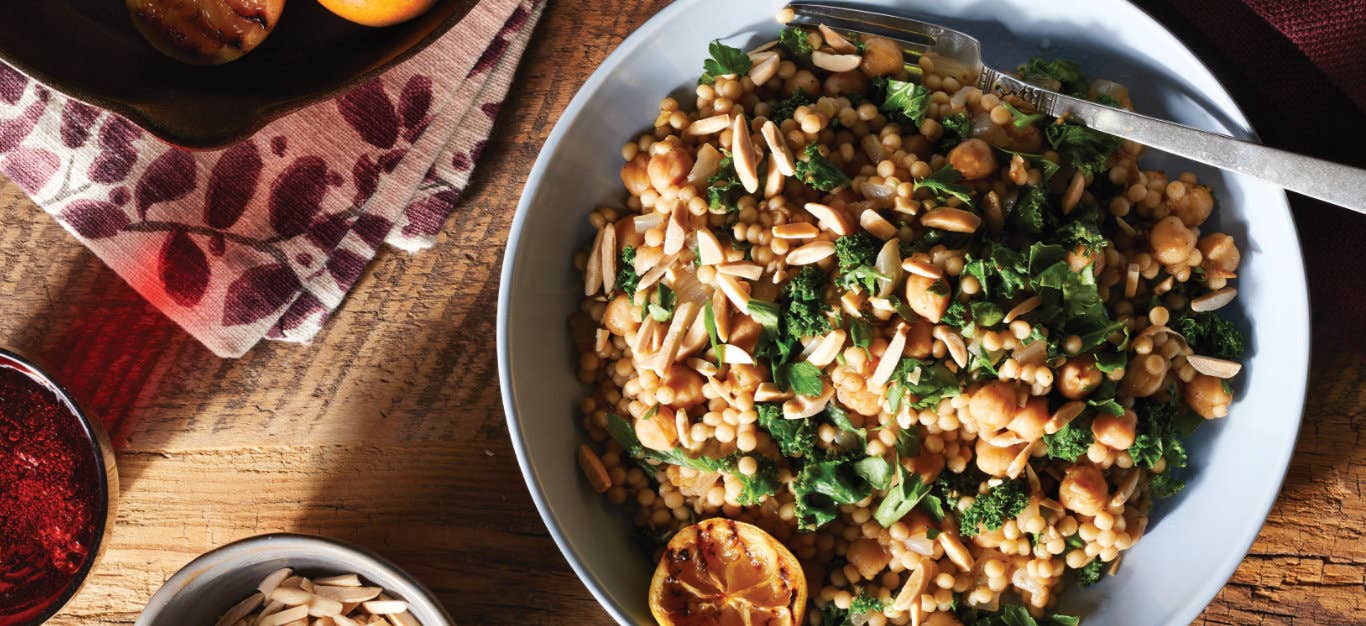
(1331, 182)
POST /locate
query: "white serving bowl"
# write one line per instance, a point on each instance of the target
(1198, 537)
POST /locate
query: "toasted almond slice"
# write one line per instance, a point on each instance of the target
(647, 257)
(852, 303)
(601, 339)
(272, 607)
(290, 596)
(609, 259)
(683, 427)
(773, 183)
(703, 367)
(676, 233)
(640, 342)
(593, 470)
(1019, 463)
(734, 355)
(876, 225)
(957, 349)
(747, 270)
(651, 277)
(684, 316)
(835, 62)
(385, 607)
(709, 125)
(284, 617)
(767, 45)
(241, 609)
(759, 56)
(1064, 416)
(834, 220)
(319, 606)
(1025, 306)
(1124, 226)
(769, 392)
(796, 230)
(1210, 366)
(342, 620)
(344, 580)
(837, 42)
(887, 363)
(1131, 281)
(801, 407)
(955, 550)
(402, 618)
(888, 266)
(1214, 300)
(952, 220)
(592, 274)
(742, 151)
(916, 584)
(813, 252)
(764, 70)
(709, 250)
(777, 146)
(828, 348)
(1126, 489)
(736, 292)
(920, 267)
(707, 162)
(720, 312)
(306, 585)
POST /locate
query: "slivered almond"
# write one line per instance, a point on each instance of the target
(241, 609)
(657, 272)
(1210, 366)
(709, 250)
(833, 220)
(609, 258)
(736, 292)
(887, 363)
(1025, 306)
(871, 147)
(676, 233)
(888, 266)
(811, 253)
(684, 316)
(273, 580)
(837, 42)
(956, 551)
(957, 349)
(852, 303)
(747, 270)
(644, 337)
(290, 596)
(769, 392)
(703, 367)
(643, 223)
(951, 219)
(350, 595)
(801, 407)
(767, 45)
(285, 616)
(835, 62)
(709, 125)
(684, 427)
(876, 225)
(777, 146)
(1126, 489)
(1214, 300)
(827, 348)
(647, 257)
(734, 355)
(773, 183)
(920, 267)
(402, 618)
(705, 166)
(593, 470)
(1019, 463)
(592, 274)
(1064, 416)
(796, 230)
(764, 70)
(324, 607)
(345, 580)
(742, 151)
(916, 584)
(385, 607)
(720, 313)
(1131, 281)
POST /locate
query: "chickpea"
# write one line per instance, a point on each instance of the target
(1078, 377)
(1220, 253)
(1171, 241)
(1030, 419)
(634, 174)
(920, 339)
(620, 317)
(1193, 207)
(1208, 396)
(928, 297)
(669, 168)
(1116, 431)
(929, 465)
(974, 158)
(881, 56)
(868, 556)
(941, 618)
(1143, 377)
(745, 332)
(993, 405)
(852, 81)
(687, 386)
(658, 432)
(995, 460)
(803, 80)
(627, 234)
(1083, 490)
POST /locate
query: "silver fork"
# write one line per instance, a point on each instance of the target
(1331, 182)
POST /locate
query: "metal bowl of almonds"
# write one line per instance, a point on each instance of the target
(292, 580)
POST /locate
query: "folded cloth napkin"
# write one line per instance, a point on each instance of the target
(264, 238)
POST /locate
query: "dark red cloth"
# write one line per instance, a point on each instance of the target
(1298, 69)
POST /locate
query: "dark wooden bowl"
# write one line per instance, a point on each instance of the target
(89, 49)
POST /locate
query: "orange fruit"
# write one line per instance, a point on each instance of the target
(377, 12)
(720, 571)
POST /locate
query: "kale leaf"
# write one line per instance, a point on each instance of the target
(944, 182)
(796, 41)
(627, 278)
(795, 438)
(992, 510)
(819, 172)
(1071, 441)
(904, 100)
(1211, 335)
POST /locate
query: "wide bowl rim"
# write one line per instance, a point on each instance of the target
(267, 113)
(240, 549)
(1296, 380)
(104, 467)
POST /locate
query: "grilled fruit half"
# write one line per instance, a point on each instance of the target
(205, 32)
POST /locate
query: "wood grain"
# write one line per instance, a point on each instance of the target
(388, 430)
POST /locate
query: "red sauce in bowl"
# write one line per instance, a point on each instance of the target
(50, 498)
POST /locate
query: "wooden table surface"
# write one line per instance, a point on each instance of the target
(388, 431)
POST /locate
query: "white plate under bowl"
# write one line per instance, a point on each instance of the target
(1198, 538)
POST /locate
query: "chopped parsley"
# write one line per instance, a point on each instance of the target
(785, 107)
(904, 496)
(723, 187)
(724, 60)
(755, 488)
(933, 382)
(857, 254)
(819, 172)
(1211, 335)
(1071, 441)
(627, 278)
(992, 510)
(796, 41)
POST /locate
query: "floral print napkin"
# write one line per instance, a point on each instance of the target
(265, 238)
